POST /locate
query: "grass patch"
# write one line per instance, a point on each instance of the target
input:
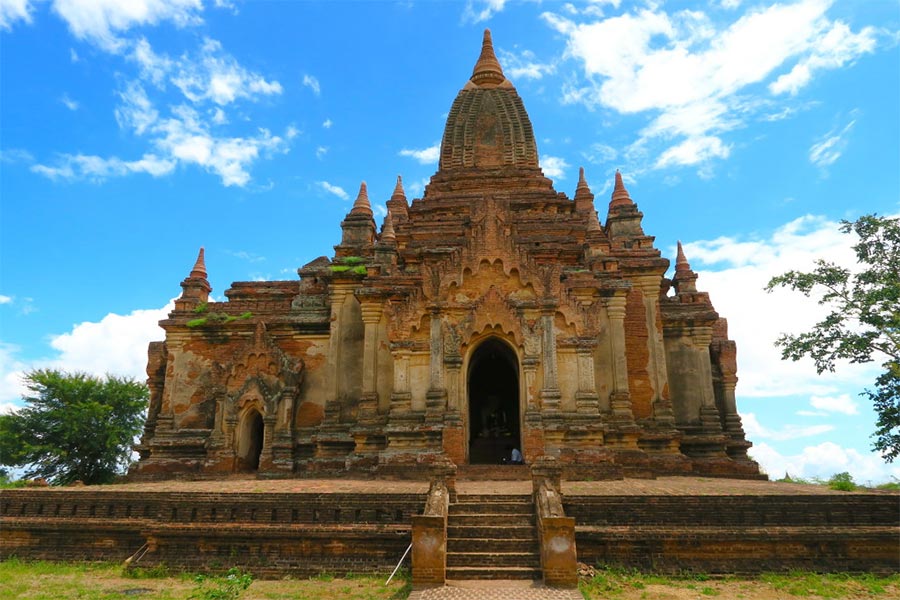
(626, 584)
(38, 580)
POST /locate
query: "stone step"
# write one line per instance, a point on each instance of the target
(493, 473)
(505, 508)
(521, 532)
(493, 559)
(492, 498)
(492, 545)
(457, 573)
(494, 520)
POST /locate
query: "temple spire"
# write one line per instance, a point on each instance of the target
(399, 192)
(584, 199)
(362, 205)
(199, 270)
(487, 70)
(620, 196)
(681, 262)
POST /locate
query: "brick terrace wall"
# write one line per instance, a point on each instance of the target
(270, 534)
(739, 534)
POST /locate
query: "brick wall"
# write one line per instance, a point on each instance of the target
(739, 534)
(269, 534)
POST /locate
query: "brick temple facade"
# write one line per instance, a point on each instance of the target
(492, 313)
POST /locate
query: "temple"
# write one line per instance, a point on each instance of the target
(492, 313)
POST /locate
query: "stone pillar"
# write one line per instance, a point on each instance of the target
(436, 397)
(550, 394)
(371, 316)
(338, 293)
(401, 397)
(586, 399)
(709, 414)
(659, 375)
(620, 399)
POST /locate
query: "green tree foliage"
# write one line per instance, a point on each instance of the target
(864, 319)
(73, 426)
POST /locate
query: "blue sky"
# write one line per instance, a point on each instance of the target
(134, 133)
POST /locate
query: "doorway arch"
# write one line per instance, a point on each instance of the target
(493, 395)
(250, 440)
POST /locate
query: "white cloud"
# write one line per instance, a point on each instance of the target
(554, 166)
(117, 344)
(136, 111)
(100, 21)
(14, 10)
(692, 151)
(426, 156)
(755, 430)
(327, 124)
(97, 168)
(824, 460)
(477, 11)
(5, 299)
(829, 148)
(218, 77)
(68, 102)
(73, 56)
(321, 151)
(735, 270)
(841, 404)
(839, 46)
(334, 189)
(313, 84)
(698, 77)
(524, 65)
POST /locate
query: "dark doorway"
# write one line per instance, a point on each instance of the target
(493, 392)
(251, 441)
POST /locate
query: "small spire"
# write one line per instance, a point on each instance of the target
(399, 192)
(487, 70)
(362, 205)
(582, 182)
(681, 261)
(199, 270)
(387, 229)
(594, 222)
(685, 280)
(620, 195)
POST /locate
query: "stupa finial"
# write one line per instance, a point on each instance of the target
(487, 70)
(362, 205)
(399, 192)
(199, 270)
(681, 261)
(620, 196)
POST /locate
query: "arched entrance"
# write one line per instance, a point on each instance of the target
(250, 442)
(493, 394)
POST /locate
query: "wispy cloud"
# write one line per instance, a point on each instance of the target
(15, 10)
(829, 148)
(102, 22)
(426, 156)
(477, 11)
(313, 84)
(68, 102)
(97, 168)
(327, 124)
(5, 299)
(321, 151)
(334, 189)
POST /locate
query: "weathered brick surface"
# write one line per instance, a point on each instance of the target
(637, 354)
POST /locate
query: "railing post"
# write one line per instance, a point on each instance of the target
(429, 538)
(556, 531)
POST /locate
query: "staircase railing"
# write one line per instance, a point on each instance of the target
(429, 537)
(556, 531)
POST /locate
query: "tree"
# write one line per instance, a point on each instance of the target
(74, 426)
(863, 324)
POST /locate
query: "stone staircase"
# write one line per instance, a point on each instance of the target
(492, 536)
